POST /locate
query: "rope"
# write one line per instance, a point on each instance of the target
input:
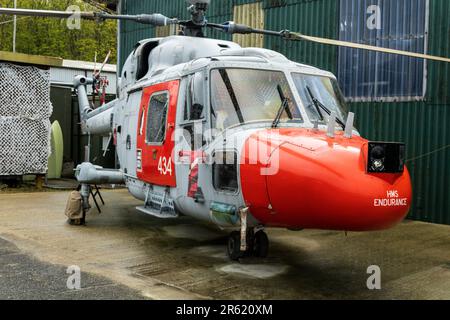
(429, 153)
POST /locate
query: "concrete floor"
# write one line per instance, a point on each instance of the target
(185, 259)
(23, 277)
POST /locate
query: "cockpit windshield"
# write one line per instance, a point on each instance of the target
(241, 96)
(320, 96)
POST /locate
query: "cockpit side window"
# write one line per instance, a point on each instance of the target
(225, 173)
(195, 98)
(194, 110)
(325, 91)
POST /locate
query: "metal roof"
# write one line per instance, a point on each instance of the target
(86, 65)
(47, 61)
(31, 59)
(63, 71)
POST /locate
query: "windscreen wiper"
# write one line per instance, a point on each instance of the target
(319, 105)
(234, 100)
(283, 107)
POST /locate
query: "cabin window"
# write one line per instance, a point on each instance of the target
(195, 98)
(373, 76)
(156, 118)
(225, 175)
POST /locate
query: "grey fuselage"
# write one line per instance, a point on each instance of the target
(176, 58)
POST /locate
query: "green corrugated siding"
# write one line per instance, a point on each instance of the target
(308, 17)
(421, 125)
(439, 44)
(423, 128)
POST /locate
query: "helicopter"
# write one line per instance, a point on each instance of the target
(242, 138)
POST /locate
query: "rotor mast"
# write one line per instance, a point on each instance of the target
(194, 27)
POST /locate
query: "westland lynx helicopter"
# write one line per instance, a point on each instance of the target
(239, 137)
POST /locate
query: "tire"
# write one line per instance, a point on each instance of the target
(234, 246)
(250, 243)
(261, 248)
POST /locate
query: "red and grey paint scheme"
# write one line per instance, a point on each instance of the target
(321, 179)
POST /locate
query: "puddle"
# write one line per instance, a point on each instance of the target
(259, 271)
(191, 231)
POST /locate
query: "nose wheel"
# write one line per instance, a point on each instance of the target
(257, 245)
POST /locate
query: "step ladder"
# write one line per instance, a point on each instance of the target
(159, 205)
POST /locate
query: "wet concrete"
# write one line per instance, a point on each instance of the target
(185, 259)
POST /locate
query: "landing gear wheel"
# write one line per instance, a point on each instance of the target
(250, 242)
(234, 246)
(261, 248)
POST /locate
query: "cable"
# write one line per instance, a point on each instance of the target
(429, 153)
(98, 6)
(9, 21)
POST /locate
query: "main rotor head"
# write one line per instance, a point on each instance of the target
(198, 10)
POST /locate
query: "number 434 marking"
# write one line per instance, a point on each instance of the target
(165, 166)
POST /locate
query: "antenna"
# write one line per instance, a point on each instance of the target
(331, 125)
(349, 125)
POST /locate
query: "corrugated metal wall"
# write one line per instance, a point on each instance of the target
(422, 125)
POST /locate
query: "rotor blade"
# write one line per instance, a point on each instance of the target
(95, 64)
(367, 47)
(104, 62)
(46, 13)
(11, 21)
(155, 19)
(232, 28)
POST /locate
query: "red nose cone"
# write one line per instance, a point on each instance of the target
(312, 181)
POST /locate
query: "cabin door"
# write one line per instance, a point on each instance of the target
(156, 125)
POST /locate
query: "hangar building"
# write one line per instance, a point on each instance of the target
(394, 98)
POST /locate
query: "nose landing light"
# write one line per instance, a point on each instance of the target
(386, 157)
